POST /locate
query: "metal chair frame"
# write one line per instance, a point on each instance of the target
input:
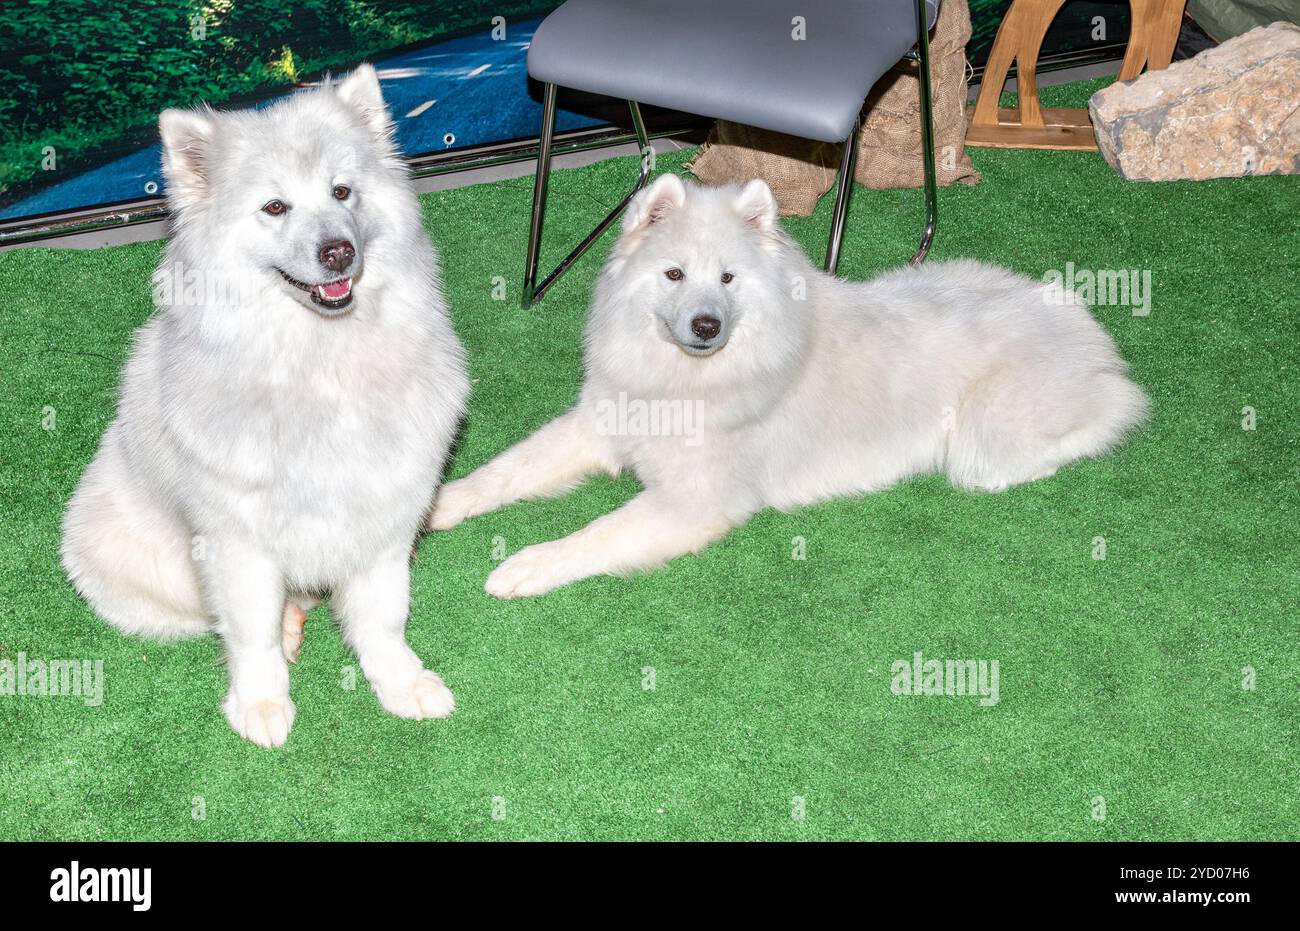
(534, 291)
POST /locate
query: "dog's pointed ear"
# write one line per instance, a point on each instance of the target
(187, 142)
(360, 91)
(757, 206)
(654, 203)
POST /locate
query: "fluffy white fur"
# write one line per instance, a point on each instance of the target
(813, 388)
(268, 449)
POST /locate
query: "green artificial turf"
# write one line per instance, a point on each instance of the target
(1120, 678)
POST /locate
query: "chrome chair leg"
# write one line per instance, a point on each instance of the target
(539, 191)
(533, 291)
(848, 162)
(927, 132)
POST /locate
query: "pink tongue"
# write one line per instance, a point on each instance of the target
(336, 289)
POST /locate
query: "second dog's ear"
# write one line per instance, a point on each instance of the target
(758, 206)
(655, 202)
(186, 138)
(360, 91)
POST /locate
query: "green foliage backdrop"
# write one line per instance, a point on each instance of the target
(84, 76)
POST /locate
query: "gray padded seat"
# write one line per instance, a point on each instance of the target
(736, 60)
(730, 59)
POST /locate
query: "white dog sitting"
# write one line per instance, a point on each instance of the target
(286, 413)
(777, 385)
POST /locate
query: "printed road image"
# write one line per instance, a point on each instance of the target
(453, 94)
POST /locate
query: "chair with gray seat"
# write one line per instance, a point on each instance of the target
(801, 67)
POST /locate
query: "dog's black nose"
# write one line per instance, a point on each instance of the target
(337, 255)
(706, 327)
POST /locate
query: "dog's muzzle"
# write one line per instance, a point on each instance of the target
(333, 297)
(705, 334)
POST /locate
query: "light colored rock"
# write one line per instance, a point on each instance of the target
(1230, 111)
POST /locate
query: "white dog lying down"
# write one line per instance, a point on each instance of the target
(285, 414)
(785, 386)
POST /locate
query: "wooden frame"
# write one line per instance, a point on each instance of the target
(1020, 38)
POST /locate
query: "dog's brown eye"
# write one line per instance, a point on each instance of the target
(342, 192)
(728, 277)
(675, 274)
(275, 207)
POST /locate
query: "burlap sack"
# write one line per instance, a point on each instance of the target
(890, 142)
(800, 171)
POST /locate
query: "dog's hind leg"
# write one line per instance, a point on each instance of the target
(550, 462)
(128, 557)
(645, 533)
(999, 440)
(293, 625)
(1013, 431)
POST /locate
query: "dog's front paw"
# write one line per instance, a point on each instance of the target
(534, 570)
(425, 697)
(266, 722)
(458, 501)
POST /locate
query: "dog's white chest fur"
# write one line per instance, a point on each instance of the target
(322, 443)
